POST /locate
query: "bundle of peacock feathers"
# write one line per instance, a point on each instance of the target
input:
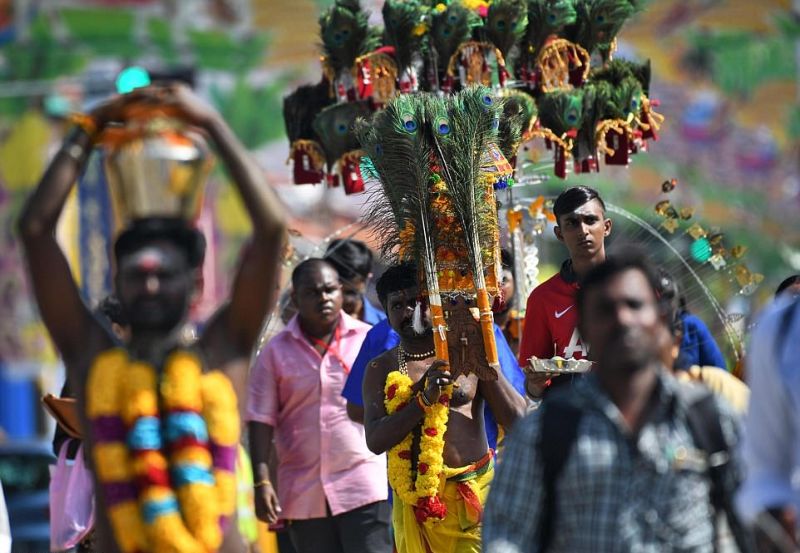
(300, 108)
(346, 35)
(449, 46)
(438, 164)
(406, 31)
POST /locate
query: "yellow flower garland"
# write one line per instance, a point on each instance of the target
(155, 503)
(422, 493)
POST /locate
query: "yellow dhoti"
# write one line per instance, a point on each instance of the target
(464, 492)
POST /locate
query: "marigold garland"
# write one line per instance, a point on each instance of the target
(424, 492)
(158, 503)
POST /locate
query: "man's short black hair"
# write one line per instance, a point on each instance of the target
(572, 198)
(152, 229)
(397, 277)
(786, 283)
(350, 258)
(615, 265)
(669, 297)
(306, 267)
(507, 259)
(111, 308)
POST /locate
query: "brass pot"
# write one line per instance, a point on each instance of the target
(156, 166)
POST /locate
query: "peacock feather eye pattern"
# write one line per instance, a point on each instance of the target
(409, 123)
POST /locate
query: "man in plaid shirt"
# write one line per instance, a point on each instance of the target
(632, 479)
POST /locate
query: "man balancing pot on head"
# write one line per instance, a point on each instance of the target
(409, 434)
(551, 318)
(161, 419)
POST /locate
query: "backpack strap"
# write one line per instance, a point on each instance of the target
(703, 418)
(559, 426)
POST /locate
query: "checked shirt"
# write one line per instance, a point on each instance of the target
(617, 492)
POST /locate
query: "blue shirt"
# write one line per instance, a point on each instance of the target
(372, 315)
(381, 338)
(771, 446)
(698, 346)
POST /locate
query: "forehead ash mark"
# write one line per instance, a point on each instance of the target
(149, 261)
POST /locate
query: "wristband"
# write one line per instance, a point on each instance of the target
(263, 483)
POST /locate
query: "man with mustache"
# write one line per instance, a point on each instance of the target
(331, 488)
(551, 319)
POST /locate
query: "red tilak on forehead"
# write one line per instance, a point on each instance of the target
(148, 261)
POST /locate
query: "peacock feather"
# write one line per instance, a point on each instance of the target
(599, 22)
(345, 33)
(449, 28)
(625, 100)
(301, 107)
(614, 72)
(561, 111)
(506, 22)
(545, 18)
(398, 154)
(460, 138)
(405, 29)
(334, 127)
(519, 112)
(595, 100)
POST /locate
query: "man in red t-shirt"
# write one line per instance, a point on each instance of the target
(551, 318)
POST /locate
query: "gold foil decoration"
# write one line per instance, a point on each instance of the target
(744, 277)
(696, 231)
(738, 251)
(670, 225)
(665, 209)
(686, 213)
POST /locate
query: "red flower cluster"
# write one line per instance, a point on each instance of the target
(423, 468)
(391, 391)
(444, 399)
(431, 432)
(430, 507)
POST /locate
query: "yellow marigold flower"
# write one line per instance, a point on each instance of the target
(169, 535)
(147, 459)
(226, 491)
(141, 399)
(112, 462)
(200, 510)
(105, 377)
(192, 454)
(219, 408)
(440, 7)
(157, 493)
(419, 29)
(181, 386)
(128, 528)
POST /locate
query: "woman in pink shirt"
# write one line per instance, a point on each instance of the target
(330, 487)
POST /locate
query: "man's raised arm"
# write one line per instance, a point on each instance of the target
(66, 316)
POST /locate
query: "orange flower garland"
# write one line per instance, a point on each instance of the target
(159, 503)
(424, 492)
